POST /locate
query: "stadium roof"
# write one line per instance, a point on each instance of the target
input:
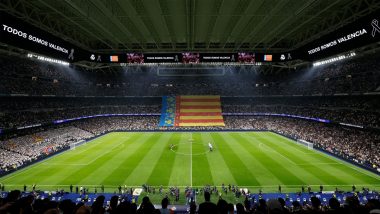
(196, 25)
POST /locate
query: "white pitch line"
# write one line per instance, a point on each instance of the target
(312, 164)
(65, 164)
(42, 162)
(356, 168)
(110, 150)
(191, 161)
(331, 157)
(262, 145)
(241, 186)
(85, 164)
(25, 169)
(181, 153)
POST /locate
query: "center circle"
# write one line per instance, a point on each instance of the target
(197, 148)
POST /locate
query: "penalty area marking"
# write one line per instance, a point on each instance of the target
(65, 164)
(117, 146)
(316, 152)
(268, 148)
(312, 164)
(43, 161)
(345, 163)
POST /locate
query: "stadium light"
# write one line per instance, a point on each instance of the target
(334, 59)
(47, 59)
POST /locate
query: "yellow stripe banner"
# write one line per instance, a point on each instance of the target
(199, 117)
(191, 110)
(200, 110)
(201, 124)
(200, 103)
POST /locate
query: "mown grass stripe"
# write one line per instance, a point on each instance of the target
(236, 166)
(37, 173)
(164, 166)
(250, 154)
(106, 167)
(345, 167)
(201, 167)
(219, 169)
(276, 166)
(146, 165)
(104, 156)
(76, 176)
(315, 170)
(126, 165)
(311, 164)
(180, 175)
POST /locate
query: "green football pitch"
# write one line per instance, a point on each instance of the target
(254, 160)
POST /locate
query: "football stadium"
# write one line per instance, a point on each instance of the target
(190, 106)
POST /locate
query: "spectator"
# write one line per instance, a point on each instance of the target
(207, 206)
(146, 207)
(164, 206)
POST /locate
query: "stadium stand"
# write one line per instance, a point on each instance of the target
(21, 147)
(183, 95)
(352, 110)
(357, 110)
(34, 78)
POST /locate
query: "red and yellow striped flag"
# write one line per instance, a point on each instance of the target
(198, 111)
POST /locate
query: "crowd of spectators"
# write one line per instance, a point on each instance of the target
(23, 111)
(17, 151)
(345, 115)
(11, 160)
(42, 111)
(14, 203)
(102, 125)
(29, 77)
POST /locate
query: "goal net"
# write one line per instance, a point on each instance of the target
(305, 143)
(74, 145)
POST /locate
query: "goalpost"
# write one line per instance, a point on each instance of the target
(308, 144)
(74, 145)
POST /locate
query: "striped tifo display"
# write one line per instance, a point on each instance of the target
(191, 111)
